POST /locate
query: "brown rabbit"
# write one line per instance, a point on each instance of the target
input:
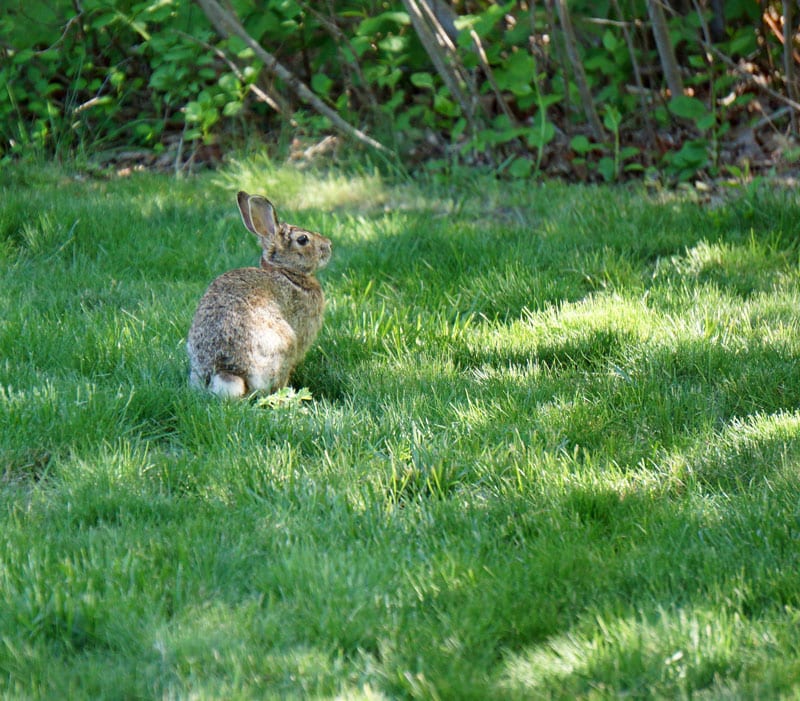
(254, 325)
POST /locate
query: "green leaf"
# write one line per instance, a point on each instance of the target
(371, 25)
(580, 144)
(103, 20)
(607, 168)
(633, 167)
(521, 66)
(458, 129)
(193, 112)
(541, 133)
(485, 21)
(610, 40)
(687, 107)
(393, 44)
(422, 80)
(321, 84)
(231, 109)
(707, 122)
(601, 63)
(743, 42)
(445, 106)
(520, 168)
(23, 56)
(612, 118)
(261, 23)
(229, 83)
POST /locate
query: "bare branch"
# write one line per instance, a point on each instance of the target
(274, 101)
(226, 24)
(637, 73)
(749, 78)
(342, 39)
(788, 58)
(666, 53)
(436, 44)
(571, 44)
(487, 69)
(560, 52)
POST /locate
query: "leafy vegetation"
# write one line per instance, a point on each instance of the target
(552, 448)
(520, 88)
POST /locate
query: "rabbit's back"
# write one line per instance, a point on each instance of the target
(255, 323)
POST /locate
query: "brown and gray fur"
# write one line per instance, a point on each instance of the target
(254, 325)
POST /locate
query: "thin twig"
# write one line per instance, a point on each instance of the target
(342, 38)
(487, 69)
(72, 20)
(261, 94)
(666, 52)
(711, 85)
(578, 72)
(788, 58)
(637, 74)
(560, 51)
(749, 78)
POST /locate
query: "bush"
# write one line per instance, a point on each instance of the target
(506, 93)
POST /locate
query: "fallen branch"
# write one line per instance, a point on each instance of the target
(226, 24)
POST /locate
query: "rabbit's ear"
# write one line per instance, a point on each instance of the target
(244, 209)
(258, 214)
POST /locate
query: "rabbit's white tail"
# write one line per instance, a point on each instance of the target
(226, 385)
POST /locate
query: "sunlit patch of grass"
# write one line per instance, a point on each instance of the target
(673, 652)
(294, 190)
(742, 268)
(756, 449)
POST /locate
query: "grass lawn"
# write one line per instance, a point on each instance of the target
(552, 448)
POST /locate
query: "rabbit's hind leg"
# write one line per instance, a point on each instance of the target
(227, 385)
(265, 383)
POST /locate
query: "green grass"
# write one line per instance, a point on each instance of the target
(552, 450)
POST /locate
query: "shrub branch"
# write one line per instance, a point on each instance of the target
(571, 43)
(226, 24)
(437, 44)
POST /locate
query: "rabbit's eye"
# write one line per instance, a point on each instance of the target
(302, 239)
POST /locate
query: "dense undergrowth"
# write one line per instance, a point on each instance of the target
(521, 89)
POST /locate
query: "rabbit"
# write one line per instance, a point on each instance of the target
(254, 325)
